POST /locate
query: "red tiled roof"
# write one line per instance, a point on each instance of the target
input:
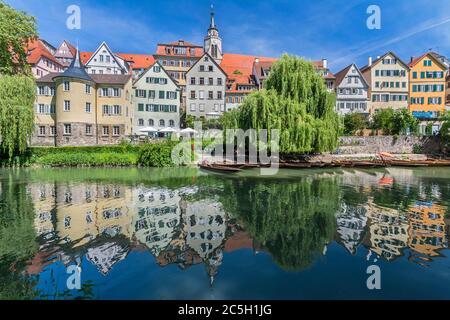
(239, 68)
(85, 56)
(36, 50)
(138, 61)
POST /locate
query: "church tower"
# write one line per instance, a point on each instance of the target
(213, 43)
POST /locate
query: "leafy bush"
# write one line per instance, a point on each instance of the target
(354, 122)
(156, 154)
(88, 159)
(394, 122)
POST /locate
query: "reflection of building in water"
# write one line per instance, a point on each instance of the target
(101, 221)
(105, 256)
(427, 229)
(157, 218)
(44, 200)
(388, 231)
(351, 223)
(87, 211)
(80, 213)
(205, 232)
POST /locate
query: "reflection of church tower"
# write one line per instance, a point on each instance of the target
(213, 43)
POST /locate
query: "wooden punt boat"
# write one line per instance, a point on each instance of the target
(407, 163)
(300, 165)
(219, 168)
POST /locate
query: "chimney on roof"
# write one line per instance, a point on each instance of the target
(412, 59)
(370, 62)
(325, 63)
(378, 57)
(256, 60)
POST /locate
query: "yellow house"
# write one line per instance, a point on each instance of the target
(75, 108)
(427, 86)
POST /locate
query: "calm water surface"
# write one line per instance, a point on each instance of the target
(186, 234)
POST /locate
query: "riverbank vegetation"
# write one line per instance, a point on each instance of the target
(386, 122)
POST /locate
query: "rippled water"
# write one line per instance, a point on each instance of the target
(186, 234)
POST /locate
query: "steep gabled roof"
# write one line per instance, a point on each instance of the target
(137, 61)
(431, 55)
(341, 74)
(36, 50)
(156, 62)
(109, 50)
(366, 67)
(211, 59)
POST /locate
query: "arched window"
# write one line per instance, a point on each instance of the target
(162, 123)
(171, 123)
(151, 123)
(141, 122)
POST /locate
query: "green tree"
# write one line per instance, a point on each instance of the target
(382, 120)
(403, 121)
(17, 96)
(16, 30)
(296, 102)
(17, 87)
(354, 122)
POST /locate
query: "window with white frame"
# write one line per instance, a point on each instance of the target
(193, 107)
(116, 131)
(88, 88)
(53, 130)
(67, 129)
(88, 107)
(88, 129)
(105, 130)
(66, 105)
(42, 130)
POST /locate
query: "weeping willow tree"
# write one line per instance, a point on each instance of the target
(296, 102)
(17, 96)
(17, 87)
(293, 221)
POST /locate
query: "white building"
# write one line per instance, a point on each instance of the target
(351, 91)
(205, 88)
(156, 100)
(104, 61)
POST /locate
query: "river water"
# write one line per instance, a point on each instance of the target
(186, 234)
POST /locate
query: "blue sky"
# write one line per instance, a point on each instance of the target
(334, 29)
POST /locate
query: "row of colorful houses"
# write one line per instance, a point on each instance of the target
(102, 97)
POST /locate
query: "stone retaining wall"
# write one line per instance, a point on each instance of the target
(391, 144)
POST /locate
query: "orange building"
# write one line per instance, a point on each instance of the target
(427, 229)
(427, 86)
